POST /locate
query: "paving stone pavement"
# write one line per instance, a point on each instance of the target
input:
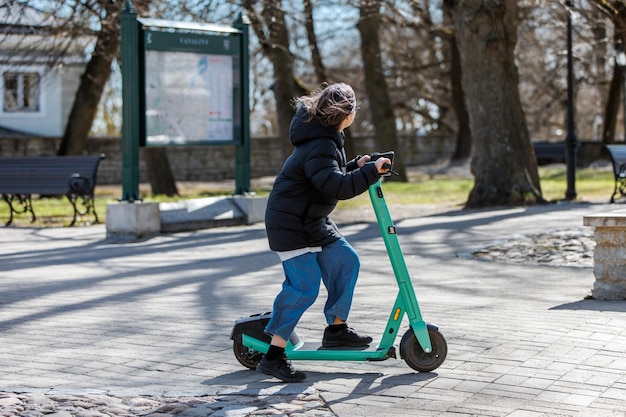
(90, 327)
(284, 401)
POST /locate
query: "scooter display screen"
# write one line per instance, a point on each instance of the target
(389, 154)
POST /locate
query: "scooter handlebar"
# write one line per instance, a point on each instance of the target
(389, 155)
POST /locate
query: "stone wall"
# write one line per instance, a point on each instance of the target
(212, 163)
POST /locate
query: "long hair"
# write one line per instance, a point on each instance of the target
(330, 103)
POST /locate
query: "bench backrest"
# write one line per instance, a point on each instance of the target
(618, 157)
(45, 174)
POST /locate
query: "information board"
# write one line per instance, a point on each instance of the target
(192, 89)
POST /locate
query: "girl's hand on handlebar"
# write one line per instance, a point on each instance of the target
(363, 160)
(383, 165)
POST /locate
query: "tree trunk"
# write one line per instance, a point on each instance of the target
(159, 172)
(612, 107)
(383, 117)
(160, 175)
(503, 163)
(97, 72)
(463, 148)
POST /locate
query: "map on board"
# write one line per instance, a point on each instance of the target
(189, 98)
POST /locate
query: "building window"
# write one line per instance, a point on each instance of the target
(21, 92)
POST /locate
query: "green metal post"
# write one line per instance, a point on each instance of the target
(130, 103)
(242, 151)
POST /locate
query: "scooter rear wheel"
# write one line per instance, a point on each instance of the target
(414, 355)
(246, 356)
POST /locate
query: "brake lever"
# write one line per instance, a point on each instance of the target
(388, 166)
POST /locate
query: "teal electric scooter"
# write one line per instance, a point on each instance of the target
(422, 346)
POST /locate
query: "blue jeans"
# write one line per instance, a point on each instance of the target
(337, 265)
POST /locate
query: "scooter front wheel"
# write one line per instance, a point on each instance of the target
(414, 355)
(247, 357)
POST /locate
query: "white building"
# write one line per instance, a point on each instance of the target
(40, 69)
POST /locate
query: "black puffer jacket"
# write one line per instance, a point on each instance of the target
(312, 181)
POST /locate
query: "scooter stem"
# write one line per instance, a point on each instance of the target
(406, 295)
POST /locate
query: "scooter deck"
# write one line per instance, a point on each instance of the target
(315, 351)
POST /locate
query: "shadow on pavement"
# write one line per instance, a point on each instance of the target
(594, 305)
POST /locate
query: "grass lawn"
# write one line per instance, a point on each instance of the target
(592, 184)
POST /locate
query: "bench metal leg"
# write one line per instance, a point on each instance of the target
(23, 200)
(622, 185)
(87, 201)
(620, 179)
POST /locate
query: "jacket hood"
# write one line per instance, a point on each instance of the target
(300, 131)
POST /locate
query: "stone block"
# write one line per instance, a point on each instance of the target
(203, 213)
(610, 236)
(598, 270)
(200, 213)
(605, 253)
(615, 218)
(615, 272)
(608, 291)
(253, 206)
(132, 221)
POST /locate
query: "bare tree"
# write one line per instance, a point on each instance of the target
(93, 80)
(616, 10)
(319, 68)
(503, 163)
(383, 117)
(316, 56)
(91, 87)
(270, 27)
(541, 54)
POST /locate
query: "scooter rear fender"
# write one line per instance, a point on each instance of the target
(252, 326)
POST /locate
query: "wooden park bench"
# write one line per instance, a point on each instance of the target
(617, 153)
(72, 176)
